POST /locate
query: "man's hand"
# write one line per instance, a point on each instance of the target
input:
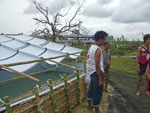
(100, 83)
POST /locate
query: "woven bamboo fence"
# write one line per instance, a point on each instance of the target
(60, 100)
(57, 100)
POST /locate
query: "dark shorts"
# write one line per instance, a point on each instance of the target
(95, 91)
(143, 68)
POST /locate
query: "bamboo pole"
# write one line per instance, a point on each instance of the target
(55, 110)
(84, 65)
(65, 65)
(85, 71)
(37, 100)
(67, 94)
(7, 104)
(78, 87)
(39, 60)
(71, 75)
(46, 70)
(20, 73)
(5, 81)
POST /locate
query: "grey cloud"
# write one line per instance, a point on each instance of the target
(31, 9)
(128, 11)
(96, 10)
(132, 12)
(103, 1)
(54, 5)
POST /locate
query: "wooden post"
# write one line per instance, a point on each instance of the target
(78, 86)
(85, 72)
(67, 94)
(37, 99)
(51, 92)
(7, 104)
(84, 65)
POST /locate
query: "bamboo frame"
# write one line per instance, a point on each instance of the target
(51, 93)
(8, 108)
(37, 99)
(5, 81)
(72, 90)
(20, 73)
(39, 60)
(65, 65)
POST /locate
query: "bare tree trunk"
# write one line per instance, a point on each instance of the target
(53, 38)
(51, 28)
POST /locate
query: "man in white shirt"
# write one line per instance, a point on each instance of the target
(95, 70)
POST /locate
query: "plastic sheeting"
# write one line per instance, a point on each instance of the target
(22, 37)
(37, 41)
(4, 38)
(50, 45)
(69, 49)
(15, 44)
(9, 55)
(54, 46)
(35, 50)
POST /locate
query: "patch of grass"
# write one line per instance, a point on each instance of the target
(124, 65)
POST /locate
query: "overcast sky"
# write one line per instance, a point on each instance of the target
(117, 17)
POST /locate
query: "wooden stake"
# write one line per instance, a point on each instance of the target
(37, 99)
(53, 101)
(67, 94)
(20, 73)
(7, 104)
(78, 87)
(84, 65)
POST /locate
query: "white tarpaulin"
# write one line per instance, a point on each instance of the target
(4, 38)
(9, 55)
(50, 45)
(22, 37)
(34, 50)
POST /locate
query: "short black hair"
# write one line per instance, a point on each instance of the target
(146, 36)
(100, 35)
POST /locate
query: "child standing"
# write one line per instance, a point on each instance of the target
(107, 59)
(142, 61)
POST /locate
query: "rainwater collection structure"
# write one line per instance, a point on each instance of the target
(35, 77)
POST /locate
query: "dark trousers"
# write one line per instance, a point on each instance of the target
(95, 91)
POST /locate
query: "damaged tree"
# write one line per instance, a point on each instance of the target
(53, 27)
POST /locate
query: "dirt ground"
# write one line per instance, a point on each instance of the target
(104, 104)
(121, 97)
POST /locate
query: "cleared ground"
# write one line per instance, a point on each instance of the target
(104, 104)
(122, 99)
